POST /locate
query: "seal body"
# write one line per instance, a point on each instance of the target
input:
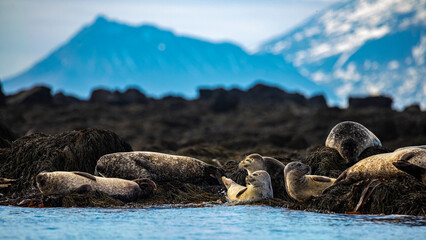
(158, 167)
(258, 187)
(300, 186)
(350, 139)
(382, 165)
(275, 169)
(414, 164)
(64, 183)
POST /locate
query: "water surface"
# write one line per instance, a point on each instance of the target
(217, 222)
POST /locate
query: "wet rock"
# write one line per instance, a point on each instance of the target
(36, 95)
(370, 102)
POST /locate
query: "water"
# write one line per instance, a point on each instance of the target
(218, 222)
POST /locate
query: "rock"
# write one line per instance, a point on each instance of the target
(36, 95)
(261, 93)
(415, 108)
(370, 102)
(317, 101)
(2, 97)
(104, 96)
(133, 95)
(60, 99)
(223, 101)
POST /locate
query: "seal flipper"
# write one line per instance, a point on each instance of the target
(321, 179)
(86, 175)
(227, 182)
(412, 169)
(83, 189)
(343, 179)
(241, 192)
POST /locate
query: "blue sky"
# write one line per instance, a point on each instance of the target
(30, 29)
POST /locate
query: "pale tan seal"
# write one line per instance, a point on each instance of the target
(300, 185)
(350, 139)
(381, 165)
(258, 187)
(158, 167)
(64, 183)
(275, 169)
(414, 163)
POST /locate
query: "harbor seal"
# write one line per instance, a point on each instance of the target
(381, 165)
(275, 169)
(258, 188)
(158, 167)
(350, 139)
(63, 183)
(300, 185)
(414, 164)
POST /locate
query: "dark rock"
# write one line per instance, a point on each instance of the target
(133, 95)
(104, 96)
(6, 136)
(36, 95)
(223, 101)
(415, 108)
(268, 94)
(370, 102)
(60, 99)
(2, 96)
(317, 101)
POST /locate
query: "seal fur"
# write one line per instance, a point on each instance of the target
(258, 187)
(158, 167)
(275, 169)
(300, 185)
(350, 139)
(380, 165)
(64, 183)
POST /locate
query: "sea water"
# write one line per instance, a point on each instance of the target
(216, 222)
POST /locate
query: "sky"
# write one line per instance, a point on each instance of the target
(30, 30)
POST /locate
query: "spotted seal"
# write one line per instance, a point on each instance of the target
(275, 169)
(63, 183)
(300, 185)
(382, 165)
(350, 139)
(158, 167)
(258, 188)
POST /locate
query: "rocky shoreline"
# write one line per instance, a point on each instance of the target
(41, 132)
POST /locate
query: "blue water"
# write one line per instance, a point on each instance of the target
(218, 222)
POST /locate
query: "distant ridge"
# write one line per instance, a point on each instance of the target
(113, 55)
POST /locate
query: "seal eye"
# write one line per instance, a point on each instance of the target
(248, 160)
(255, 174)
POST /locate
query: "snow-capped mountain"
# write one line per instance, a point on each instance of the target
(362, 47)
(114, 55)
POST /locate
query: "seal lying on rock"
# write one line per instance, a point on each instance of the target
(302, 187)
(381, 165)
(258, 188)
(63, 183)
(158, 167)
(414, 164)
(275, 169)
(350, 139)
